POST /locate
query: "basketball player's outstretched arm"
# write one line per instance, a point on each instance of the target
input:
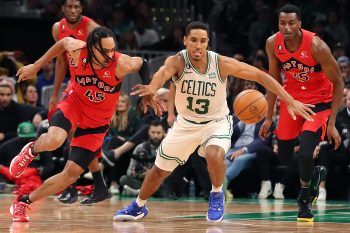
(229, 66)
(69, 44)
(172, 66)
(322, 54)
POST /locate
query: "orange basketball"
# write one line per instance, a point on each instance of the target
(250, 106)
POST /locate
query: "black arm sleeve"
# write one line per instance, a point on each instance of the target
(144, 72)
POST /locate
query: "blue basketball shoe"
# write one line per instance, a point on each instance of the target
(216, 207)
(131, 213)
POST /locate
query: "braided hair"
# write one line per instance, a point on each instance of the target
(94, 40)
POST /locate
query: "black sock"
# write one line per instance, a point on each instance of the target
(25, 199)
(99, 182)
(73, 186)
(33, 151)
(304, 193)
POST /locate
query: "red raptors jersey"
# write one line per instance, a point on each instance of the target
(304, 79)
(79, 32)
(99, 90)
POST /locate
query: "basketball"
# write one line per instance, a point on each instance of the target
(250, 106)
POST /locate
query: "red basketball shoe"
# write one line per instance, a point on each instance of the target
(18, 210)
(21, 161)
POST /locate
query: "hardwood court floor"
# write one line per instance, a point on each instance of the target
(241, 215)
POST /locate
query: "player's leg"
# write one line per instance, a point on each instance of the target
(78, 161)
(169, 156)
(101, 191)
(216, 143)
(310, 176)
(54, 138)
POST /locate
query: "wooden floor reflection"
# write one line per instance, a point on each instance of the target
(241, 215)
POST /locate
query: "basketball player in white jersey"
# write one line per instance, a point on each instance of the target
(203, 118)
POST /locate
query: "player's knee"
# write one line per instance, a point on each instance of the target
(70, 175)
(55, 138)
(214, 155)
(157, 173)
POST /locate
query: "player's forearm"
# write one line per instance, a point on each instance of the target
(158, 80)
(273, 86)
(271, 100)
(171, 100)
(57, 49)
(338, 88)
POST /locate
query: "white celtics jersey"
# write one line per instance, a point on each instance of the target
(201, 97)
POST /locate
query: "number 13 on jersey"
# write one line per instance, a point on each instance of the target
(201, 105)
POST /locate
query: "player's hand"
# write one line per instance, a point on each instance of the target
(53, 102)
(142, 90)
(333, 135)
(304, 110)
(264, 131)
(154, 102)
(27, 72)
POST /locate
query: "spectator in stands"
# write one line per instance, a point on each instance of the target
(118, 23)
(25, 133)
(344, 65)
(124, 124)
(245, 141)
(12, 113)
(338, 50)
(128, 42)
(172, 42)
(112, 155)
(142, 159)
(46, 77)
(260, 30)
(30, 96)
(144, 36)
(336, 29)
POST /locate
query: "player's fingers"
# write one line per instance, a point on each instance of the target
(309, 105)
(309, 110)
(19, 71)
(337, 141)
(136, 86)
(291, 113)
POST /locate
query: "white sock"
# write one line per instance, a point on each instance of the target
(216, 189)
(140, 202)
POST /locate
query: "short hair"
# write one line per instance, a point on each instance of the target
(157, 123)
(196, 25)
(289, 8)
(82, 2)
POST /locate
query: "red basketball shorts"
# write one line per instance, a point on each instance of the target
(289, 129)
(91, 124)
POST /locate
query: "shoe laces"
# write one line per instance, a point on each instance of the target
(215, 201)
(132, 208)
(20, 208)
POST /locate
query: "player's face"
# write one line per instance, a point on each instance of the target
(72, 11)
(289, 25)
(108, 48)
(196, 43)
(156, 134)
(5, 96)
